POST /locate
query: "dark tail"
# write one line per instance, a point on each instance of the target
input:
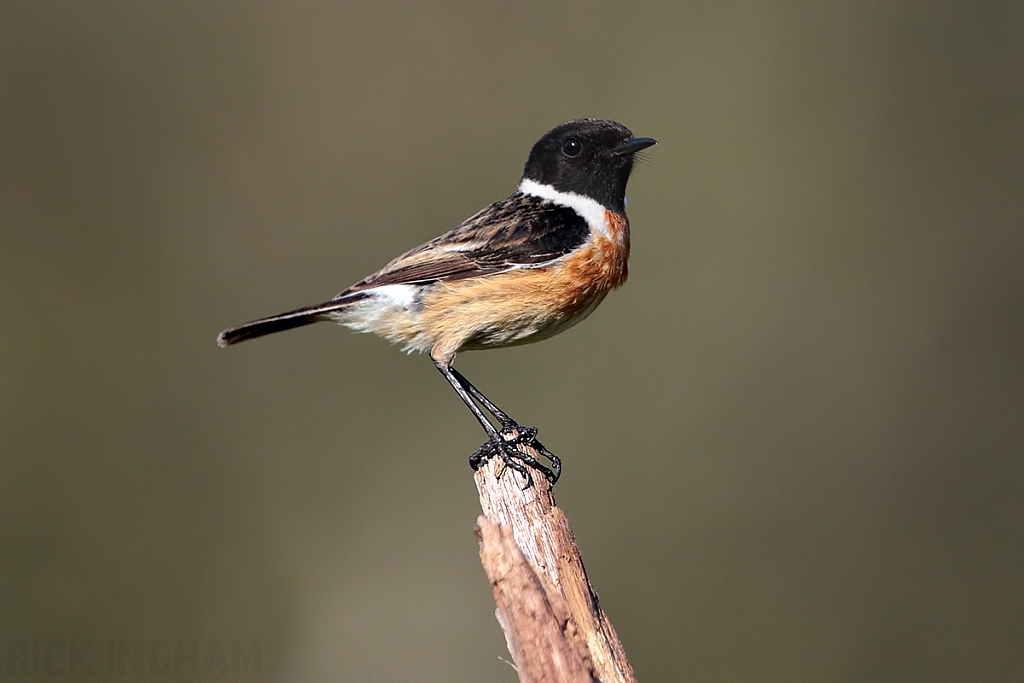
(285, 321)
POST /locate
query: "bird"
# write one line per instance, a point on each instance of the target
(520, 270)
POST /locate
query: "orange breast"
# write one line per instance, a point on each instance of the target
(528, 304)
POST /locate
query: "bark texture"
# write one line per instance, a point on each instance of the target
(553, 622)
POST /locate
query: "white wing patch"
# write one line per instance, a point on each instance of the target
(399, 295)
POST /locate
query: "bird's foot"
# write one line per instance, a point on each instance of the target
(505, 444)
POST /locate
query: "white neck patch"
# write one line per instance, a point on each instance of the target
(587, 208)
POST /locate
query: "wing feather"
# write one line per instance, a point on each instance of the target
(522, 230)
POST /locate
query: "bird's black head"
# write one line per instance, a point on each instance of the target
(589, 157)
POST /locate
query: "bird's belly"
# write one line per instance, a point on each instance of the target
(523, 305)
(518, 306)
(513, 326)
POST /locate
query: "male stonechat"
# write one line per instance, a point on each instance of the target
(523, 269)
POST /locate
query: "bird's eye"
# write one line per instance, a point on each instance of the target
(571, 147)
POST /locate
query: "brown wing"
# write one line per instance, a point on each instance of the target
(519, 231)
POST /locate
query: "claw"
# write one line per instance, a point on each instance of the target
(505, 444)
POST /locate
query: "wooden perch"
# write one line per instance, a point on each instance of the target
(555, 629)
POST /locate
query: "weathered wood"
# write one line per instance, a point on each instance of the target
(554, 626)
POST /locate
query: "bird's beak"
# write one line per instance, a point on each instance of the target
(633, 145)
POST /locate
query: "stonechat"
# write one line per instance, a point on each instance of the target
(523, 269)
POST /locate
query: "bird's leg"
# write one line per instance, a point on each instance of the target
(511, 430)
(500, 415)
(501, 442)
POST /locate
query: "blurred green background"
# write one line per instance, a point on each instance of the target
(792, 441)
